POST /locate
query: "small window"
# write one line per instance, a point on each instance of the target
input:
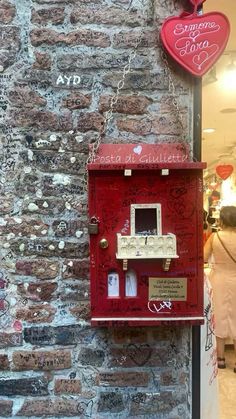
(146, 220)
(113, 284)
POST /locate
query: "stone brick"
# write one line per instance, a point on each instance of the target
(7, 11)
(41, 120)
(2, 304)
(36, 77)
(6, 204)
(41, 360)
(61, 335)
(155, 403)
(67, 386)
(43, 206)
(7, 58)
(43, 335)
(51, 407)
(50, 248)
(26, 98)
(92, 357)
(36, 314)
(73, 80)
(73, 62)
(42, 141)
(55, 16)
(10, 38)
(40, 268)
(4, 363)
(135, 80)
(29, 183)
(75, 291)
(69, 141)
(90, 121)
(168, 378)
(165, 124)
(109, 16)
(129, 39)
(50, 161)
(52, 187)
(23, 227)
(6, 407)
(81, 311)
(135, 355)
(128, 335)
(37, 386)
(43, 61)
(110, 402)
(165, 334)
(123, 379)
(77, 101)
(70, 228)
(76, 269)
(166, 105)
(133, 105)
(86, 37)
(10, 339)
(41, 291)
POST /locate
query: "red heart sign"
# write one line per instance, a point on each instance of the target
(196, 41)
(224, 170)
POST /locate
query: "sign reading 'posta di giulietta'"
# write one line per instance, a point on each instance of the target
(196, 41)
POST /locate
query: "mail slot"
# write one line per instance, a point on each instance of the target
(145, 226)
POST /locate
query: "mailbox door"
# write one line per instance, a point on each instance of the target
(144, 293)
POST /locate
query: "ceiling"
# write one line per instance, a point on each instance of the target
(219, 98)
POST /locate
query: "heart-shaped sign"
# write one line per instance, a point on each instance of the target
(224, 170)
(196, 41)
(138, 149)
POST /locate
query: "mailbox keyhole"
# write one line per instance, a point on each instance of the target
(130, 283)
(113, 284)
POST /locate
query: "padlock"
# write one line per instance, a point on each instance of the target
(93, 225)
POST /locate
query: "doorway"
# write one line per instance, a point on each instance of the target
(219, 151)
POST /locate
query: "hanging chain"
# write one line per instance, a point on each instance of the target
(185, 139)
(172, 91)
(108, 115)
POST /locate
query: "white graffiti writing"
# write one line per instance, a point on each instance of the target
(68, 81)
(190, 44)
(180, 28)
(153, 308)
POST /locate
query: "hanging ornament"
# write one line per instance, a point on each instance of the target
(224, 170)
(196, 41)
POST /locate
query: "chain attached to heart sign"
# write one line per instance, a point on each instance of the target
(196, 41)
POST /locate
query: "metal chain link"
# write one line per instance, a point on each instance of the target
(173, 93)
(108, 115)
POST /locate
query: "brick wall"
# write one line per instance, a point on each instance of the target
(60, 62)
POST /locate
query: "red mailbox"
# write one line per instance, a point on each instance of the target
(146, 230)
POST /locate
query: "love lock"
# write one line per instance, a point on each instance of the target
(93, 225)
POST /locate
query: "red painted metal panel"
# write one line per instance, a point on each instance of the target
(111, 195)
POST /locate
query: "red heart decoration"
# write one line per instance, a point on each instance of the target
(224, 170)
(196, 41)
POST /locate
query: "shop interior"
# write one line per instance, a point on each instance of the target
(219, 151)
